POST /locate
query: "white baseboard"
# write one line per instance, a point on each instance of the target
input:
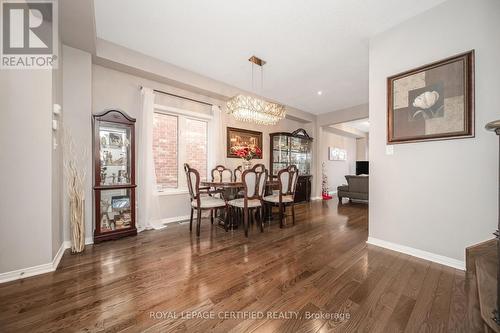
(40, 269)
(447, 261)
(88, 241)
(316, 198)
(34, 270)
(161, 224)
(58, 256)
(177, 218)
(26, 272)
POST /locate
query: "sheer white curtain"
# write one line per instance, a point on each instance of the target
(146, 185)
(218, 137)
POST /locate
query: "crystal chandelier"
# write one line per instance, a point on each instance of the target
(253, 109)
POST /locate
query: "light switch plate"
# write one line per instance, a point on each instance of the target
(389, 150)
(56, 109)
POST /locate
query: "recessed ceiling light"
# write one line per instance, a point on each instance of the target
(320, 92)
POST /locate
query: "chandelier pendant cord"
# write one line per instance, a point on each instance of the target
(253, 88)
(261, 79)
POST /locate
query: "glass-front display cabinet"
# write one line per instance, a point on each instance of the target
(293, 148)
(114, 175)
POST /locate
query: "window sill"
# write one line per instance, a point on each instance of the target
(171, 192)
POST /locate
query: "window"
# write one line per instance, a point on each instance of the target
(165, 150)
(178, 139)
(195, 136)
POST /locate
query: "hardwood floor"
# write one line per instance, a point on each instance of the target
(320, 267)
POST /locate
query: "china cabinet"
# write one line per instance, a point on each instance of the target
(114, 175)
(293, 148)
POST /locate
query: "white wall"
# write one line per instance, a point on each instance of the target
(362, 149)
(77, 106)
(31, 234)
(440, 196)
(336, 170)
(25, 168)
(57, 180)
(343, 115)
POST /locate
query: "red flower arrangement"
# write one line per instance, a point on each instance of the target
(247, 153)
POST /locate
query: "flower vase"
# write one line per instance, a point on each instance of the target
(246, 165)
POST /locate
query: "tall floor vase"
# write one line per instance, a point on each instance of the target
(74, 171)
(77, 222)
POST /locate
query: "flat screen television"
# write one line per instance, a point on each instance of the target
(361, 167)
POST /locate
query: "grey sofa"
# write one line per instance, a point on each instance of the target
(356, 188)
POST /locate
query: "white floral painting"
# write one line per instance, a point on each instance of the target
(432, 102)
(337, 154)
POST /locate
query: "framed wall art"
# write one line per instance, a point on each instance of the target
(238, 138)
(337, 154)
(432, 102)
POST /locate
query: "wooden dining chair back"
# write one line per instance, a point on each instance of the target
(193, 181)
(221, 174)
(199, 202)
(259, 167)
(287, 179)
(254, 184)
(237, 173)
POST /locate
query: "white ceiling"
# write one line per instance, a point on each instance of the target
(309, 45)
(362, 125)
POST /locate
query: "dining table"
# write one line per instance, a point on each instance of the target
(233, 185)
(230, 191)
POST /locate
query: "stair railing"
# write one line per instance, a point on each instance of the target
(495, 127)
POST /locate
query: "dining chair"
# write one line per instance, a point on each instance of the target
(201, 198)
(221, 174)
(259, 167)
(287, 179)
(254, 183)
(237, 173)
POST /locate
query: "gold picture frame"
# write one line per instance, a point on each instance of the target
(238, 137)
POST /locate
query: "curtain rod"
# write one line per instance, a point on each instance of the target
(183, 97)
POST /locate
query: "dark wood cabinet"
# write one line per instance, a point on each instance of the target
(114, 175)
(293, 148)
(303, 190)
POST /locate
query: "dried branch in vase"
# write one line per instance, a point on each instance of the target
(74, 172)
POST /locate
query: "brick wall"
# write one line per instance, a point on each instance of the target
(166, 149)
(196, 146)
